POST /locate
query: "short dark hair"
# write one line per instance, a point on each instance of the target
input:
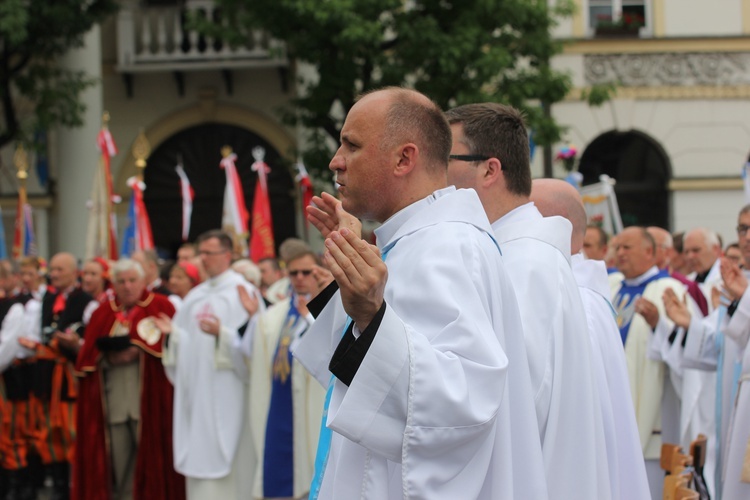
(414, 117)
(497, 131)
(225, 241)
(603, 236)
(678, 239)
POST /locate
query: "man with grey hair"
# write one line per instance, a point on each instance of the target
(490, 154)
(702, 251)
(554, 197)
(121, 359)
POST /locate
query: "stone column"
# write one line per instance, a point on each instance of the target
(78, 156)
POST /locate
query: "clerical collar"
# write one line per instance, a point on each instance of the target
(388, 229)
(701, 277)
(525, 212)
(643, 277)
(216, 280)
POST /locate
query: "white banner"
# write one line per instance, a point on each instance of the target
(600, 203)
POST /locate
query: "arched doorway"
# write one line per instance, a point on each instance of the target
(199, 148)
(642, 170)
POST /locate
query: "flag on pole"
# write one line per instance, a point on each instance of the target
(101, 237)
(3, 248)
(234, 216)
(188, 195)
(746, 180)
(261, 238)
(601, 206)
(138, 235)
(306, 187)
(23, 237)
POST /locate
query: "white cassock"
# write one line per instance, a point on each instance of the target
(212, 442)
(627, 470)
(536, 253)
(259, 344)
(655, 397)
(440, 406)
(737, 458)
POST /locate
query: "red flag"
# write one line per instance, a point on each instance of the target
(306, 186)
(261, 237)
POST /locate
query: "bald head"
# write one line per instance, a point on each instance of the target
(63, 270)
(556, 197)
(664, 246)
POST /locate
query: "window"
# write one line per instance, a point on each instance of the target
(624, 14)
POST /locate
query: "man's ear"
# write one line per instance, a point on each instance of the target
(408, 155)
(492, 171)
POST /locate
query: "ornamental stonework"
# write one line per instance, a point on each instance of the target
(668, 69)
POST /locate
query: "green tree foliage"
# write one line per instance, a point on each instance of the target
(455, 51)
(35, 92)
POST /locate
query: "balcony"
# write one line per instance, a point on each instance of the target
(155, 39)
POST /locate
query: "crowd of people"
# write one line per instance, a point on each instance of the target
(485, 344)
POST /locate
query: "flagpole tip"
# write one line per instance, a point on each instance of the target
(226, 151)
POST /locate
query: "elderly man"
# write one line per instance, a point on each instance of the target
(640, 312)
(554, 197)
(212, 442)
(287, 403)
(702, 251)
(490, 154)
(65, 311)
(430, 396)
(125, 437)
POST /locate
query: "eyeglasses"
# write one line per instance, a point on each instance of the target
(303, 272)
(209, 252)
(742, 229)
(469, 158)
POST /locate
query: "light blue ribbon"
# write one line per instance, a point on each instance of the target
(719, 343)
(324, 441)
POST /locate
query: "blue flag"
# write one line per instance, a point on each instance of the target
(128, 237)
(42, 164)
(3, 248)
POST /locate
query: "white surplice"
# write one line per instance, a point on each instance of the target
(441, 406)
(737, 457)
(259, 344)
(211, 426)
(536, 253)
(627, 470)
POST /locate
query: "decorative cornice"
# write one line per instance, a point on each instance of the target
(663, 69)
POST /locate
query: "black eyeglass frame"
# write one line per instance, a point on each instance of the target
(469, 158)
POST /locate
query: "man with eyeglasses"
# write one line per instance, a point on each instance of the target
(717, 343)
(491, 155)
(287, 403)
(212, 439)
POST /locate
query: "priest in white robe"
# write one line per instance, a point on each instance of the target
(431, 395)
(625, 458)
(640, 311)
(213, 447)
(490, 154)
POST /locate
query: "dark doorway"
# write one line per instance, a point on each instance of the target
(642, 171)
(199, 148)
